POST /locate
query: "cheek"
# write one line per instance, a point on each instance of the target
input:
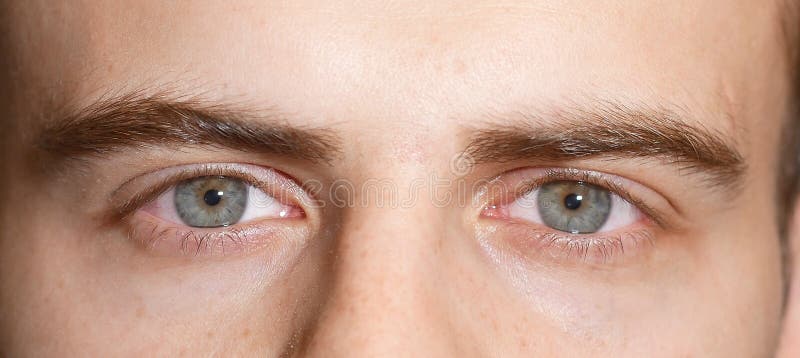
(113, 304)
(673, 297)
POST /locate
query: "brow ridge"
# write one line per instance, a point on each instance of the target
(135, 121)
(610, 131)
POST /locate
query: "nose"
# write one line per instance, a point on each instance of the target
(390, 292)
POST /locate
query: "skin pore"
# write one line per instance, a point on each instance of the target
(675, 107)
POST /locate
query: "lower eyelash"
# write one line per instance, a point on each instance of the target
(196, 242)
(595, 249)
(601, 250)
(190, 242)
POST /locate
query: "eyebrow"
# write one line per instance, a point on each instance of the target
(135, 121)
(610, 131)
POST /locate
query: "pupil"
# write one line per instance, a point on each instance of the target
(573, 201)
(212, 197)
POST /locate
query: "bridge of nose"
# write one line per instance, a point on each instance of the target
(391, 285)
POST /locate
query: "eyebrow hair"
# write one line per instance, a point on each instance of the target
(135, 121)
(611, 131)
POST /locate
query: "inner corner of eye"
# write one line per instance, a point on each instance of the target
(491, 210)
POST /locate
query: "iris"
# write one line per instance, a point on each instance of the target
(574, 207)
(211, 201)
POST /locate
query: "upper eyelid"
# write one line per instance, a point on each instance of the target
(199, 170)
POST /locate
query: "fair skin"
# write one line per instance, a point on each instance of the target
(790, 344)
(399, 89)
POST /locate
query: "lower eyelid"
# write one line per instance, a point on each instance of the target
(544, 245)
(165, 239)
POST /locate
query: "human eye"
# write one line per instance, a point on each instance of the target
(212, 209)
(218, 201)
(574, 207)
(575, 215)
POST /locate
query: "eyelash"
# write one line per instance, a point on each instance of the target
(198, 242)
(595, 178)
(587, 249)
(595, 248)
(165, 184)
(600, 246)
(151, 232)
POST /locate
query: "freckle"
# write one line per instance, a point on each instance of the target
(246, 332)
(459, 67)
(140, 311)
(210, 334)
(419, 54)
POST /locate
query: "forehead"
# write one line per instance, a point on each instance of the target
(403, 57)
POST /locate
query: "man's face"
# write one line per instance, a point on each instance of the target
(437, 178)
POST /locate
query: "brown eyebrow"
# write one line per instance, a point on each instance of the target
(136, 121)
(611, 131)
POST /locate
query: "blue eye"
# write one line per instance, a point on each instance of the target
(211, 201)
(574, 207)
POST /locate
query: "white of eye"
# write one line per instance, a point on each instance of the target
(261, 205)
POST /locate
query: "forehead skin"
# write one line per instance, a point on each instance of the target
(326, 55)
(400, 78)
